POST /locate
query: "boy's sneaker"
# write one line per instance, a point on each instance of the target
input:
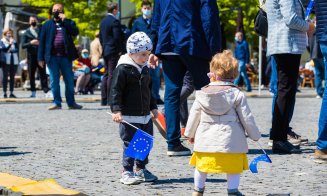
(128, 178)
(144, 175)
(179, 151)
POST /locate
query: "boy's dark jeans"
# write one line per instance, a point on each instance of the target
(126, 133)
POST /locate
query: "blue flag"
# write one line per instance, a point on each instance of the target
(309, 8)
(140, 146)
(254, 162)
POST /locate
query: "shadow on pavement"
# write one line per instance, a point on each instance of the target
(5, 148)
(259, 151)
(13, 153)
(185, 180)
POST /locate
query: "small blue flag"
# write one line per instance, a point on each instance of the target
(254, 162)
(309, 8)
(140, 146)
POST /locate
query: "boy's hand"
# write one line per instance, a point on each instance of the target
(190, 140)
(154, 113)
(117, 117)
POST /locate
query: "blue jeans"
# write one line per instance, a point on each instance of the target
(273, 77)
(242, 73)
(155, 76)
(61, 65)
(319, 75)
(322, 132)
(174, 68)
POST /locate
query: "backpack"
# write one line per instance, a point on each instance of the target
(261, 23)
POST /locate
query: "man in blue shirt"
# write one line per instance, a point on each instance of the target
(143, 23)
(242, 54)
(186, 34)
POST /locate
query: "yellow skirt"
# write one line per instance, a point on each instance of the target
(232, 163)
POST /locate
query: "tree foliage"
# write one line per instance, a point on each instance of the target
(86, 14)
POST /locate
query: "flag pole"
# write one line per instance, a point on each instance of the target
(261, 147)
(125, 122)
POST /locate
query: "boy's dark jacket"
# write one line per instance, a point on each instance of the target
(130, 90)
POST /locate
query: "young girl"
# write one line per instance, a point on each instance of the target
(219, 121)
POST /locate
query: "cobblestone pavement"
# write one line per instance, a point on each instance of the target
(81, 149)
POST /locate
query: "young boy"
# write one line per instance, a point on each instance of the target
(131, 100)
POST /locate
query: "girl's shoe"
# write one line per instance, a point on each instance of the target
(5, 95)
(198, 191)
(234, 192)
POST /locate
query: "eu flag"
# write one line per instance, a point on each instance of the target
(254, 162)
(140, 146)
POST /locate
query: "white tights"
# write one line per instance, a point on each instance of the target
(233, 180)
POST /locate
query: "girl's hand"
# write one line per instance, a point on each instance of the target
(190, 140)
(154, 113)
(117, 117)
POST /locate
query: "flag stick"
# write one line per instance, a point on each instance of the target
(261, 147)
(125, 122)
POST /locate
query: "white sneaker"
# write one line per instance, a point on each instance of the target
(318, 97)
(144, 175)
(49, 95)
(128, 178)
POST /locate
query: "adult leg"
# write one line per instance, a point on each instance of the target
(319, 75)
(174, 70)
(32, 65)
(322, 132)
(110, 64)
(187, 90)
(79, 81)
(53, 67)
(287, 67)
(5, 70)
(43, 75)
(12, 73)
(66, 69)
(155, 76)
(245, 77)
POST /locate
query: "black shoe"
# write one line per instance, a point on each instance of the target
(5, 95)
(179, 151)
(291, 134)
(160, 102)
(75, 107)
(12, 96)
(284, 147)
(91, 91)
(104, 102)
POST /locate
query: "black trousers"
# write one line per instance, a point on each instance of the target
(126, 133)
(287, 74)
(32, 66)
(109, 65)
(9, 70)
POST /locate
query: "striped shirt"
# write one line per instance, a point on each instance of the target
(59, 43)
(286, 27)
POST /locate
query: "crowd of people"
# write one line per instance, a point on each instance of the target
(189, 52)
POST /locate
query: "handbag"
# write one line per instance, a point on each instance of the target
(261, 22)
